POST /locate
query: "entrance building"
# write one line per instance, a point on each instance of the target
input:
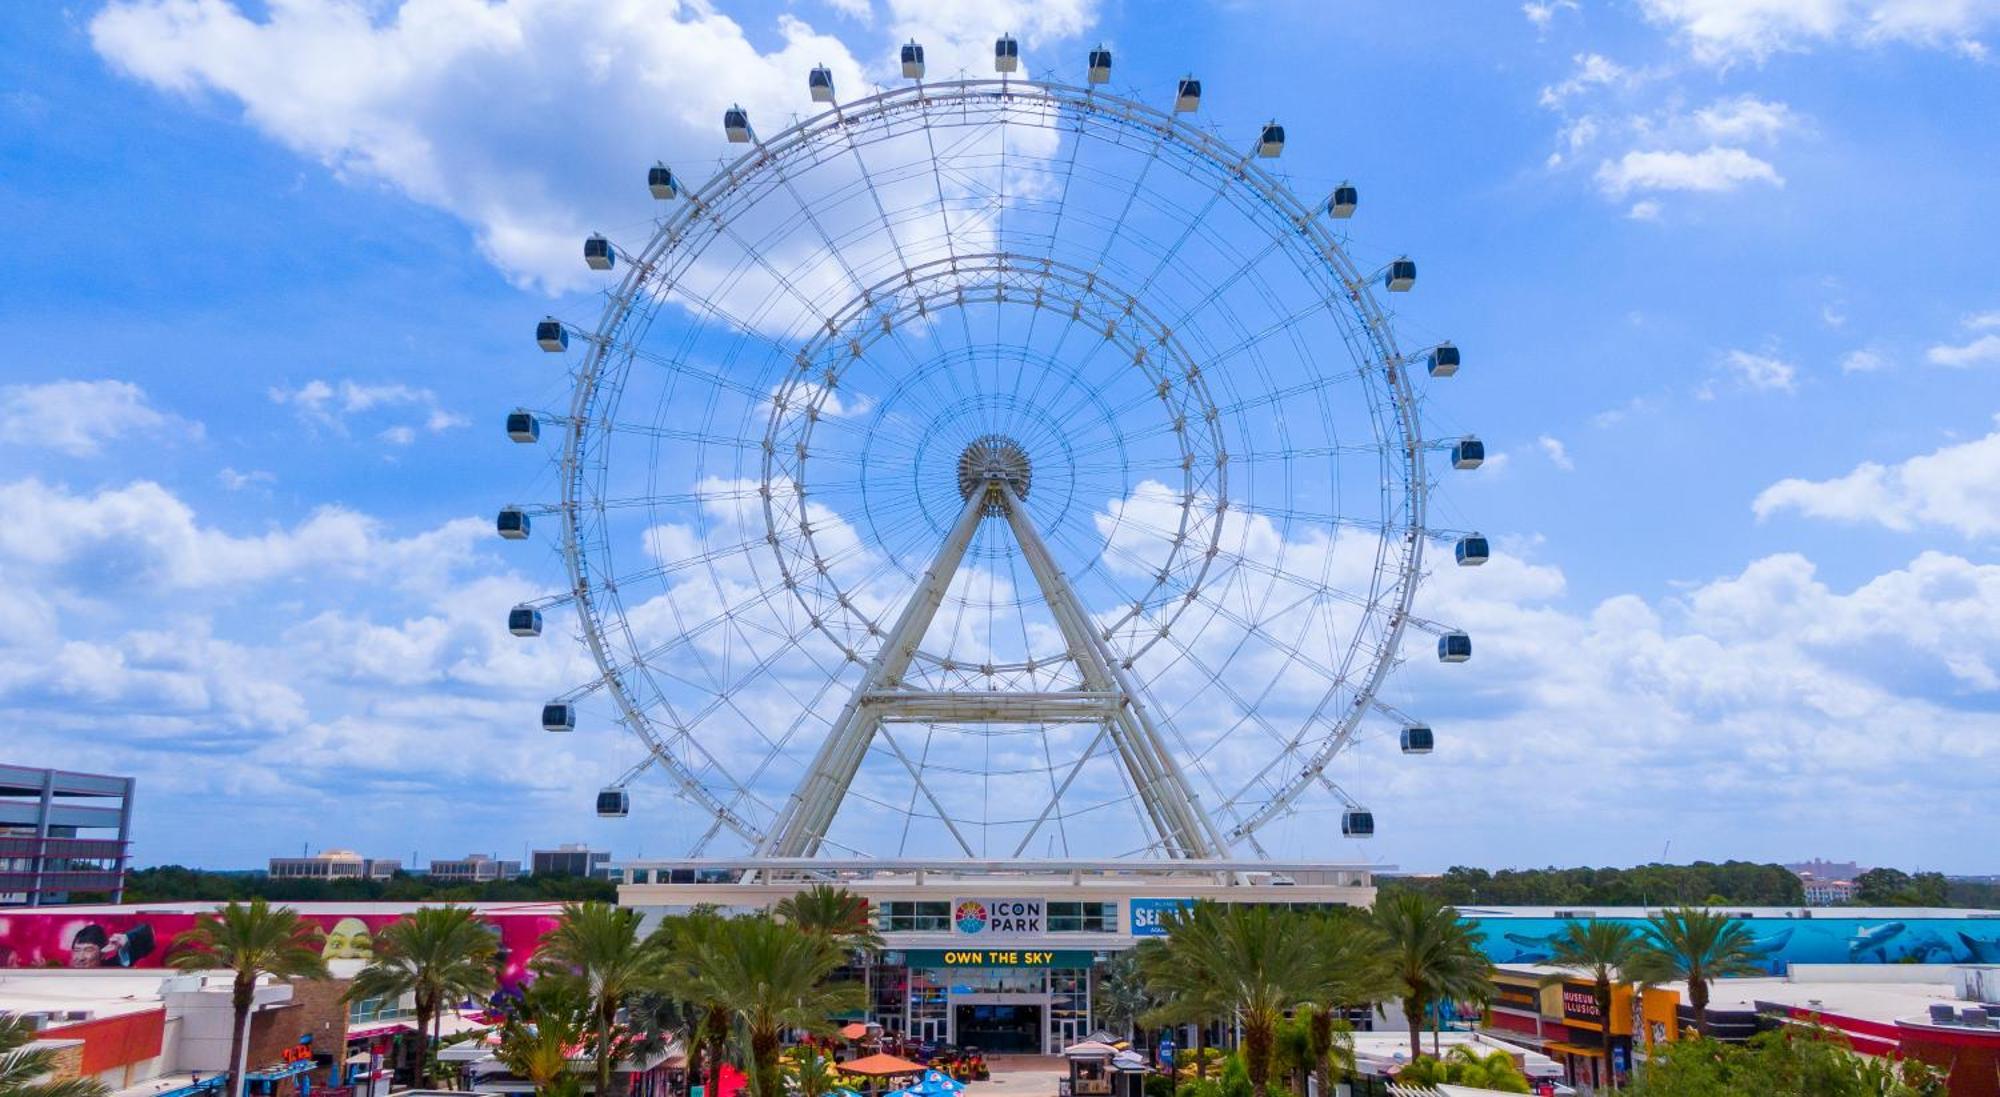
(1004, 956)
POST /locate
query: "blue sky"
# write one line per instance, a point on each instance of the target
(1722, 273)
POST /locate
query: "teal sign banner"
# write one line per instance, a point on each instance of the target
(997, 957)
(1785, 941)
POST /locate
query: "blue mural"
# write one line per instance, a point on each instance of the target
(1786, 941)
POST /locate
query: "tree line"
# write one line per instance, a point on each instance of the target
(1742, 883)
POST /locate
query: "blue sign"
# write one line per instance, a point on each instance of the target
(1784, 941)
(1149, 916)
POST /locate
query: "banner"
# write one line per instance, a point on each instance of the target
(998, 917)
(1149, 916)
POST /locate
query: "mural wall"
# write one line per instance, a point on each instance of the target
(1786, 941)
(52, 937)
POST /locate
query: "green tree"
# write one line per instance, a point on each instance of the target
(1122, 994)
(1255, 962)
(1182, 984)
(553, 1018)
(25, 1071)
(1462, 1066)
(599, 947)
(1432, 956)
(249, 940)
(438, 955)
(1698, 946)
(1603, 951)
(1350, 972)
(1795, 1061)
(834, 913)
(770, 977)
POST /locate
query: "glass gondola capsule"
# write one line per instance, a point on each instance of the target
(1471, 551)
(613, 803)
(1401, 275)
(660, 180)
(1100, 66)
(523, 427)
(551, 336)
(558, 716)
(597, 253)
(1271, 141)
(1006, 54)
(820, 83)
(512, 524)
(736, 125)
(1443, 361)
(1468, 453)
(524, 621)
(1187, 96)
(1418, 739)
(913, 61)
(1357, 823)
(1454, 647)
(1342, 202)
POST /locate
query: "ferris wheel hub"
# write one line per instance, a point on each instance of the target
(991, 457)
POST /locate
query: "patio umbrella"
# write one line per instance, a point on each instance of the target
(881, 1066)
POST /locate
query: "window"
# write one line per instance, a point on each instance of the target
(1083, 917)
(914, 917)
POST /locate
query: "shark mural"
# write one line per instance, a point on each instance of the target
(1781, 942)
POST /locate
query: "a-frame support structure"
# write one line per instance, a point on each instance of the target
(1109, 694)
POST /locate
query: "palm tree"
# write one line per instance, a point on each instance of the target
(1181, 982)
(1122, 994)
(1699, 945)
(1605, 951)
(832, 912)
(25, 1071)
(599, 947)
(439, 955)
(251, 939)
(1463, 1066)
(681, 939)
(537, 1039)
(770, 977)
(1256, 962)
(1350, 972)
(1432, 956)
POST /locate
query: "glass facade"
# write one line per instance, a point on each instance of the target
(1069, 917)
(898, 916)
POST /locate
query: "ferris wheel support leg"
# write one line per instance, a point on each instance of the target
(1190, 832)
(807, 815)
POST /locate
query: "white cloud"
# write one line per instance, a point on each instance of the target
(1541, 12)
(79, 417)
(1721, 31)
(1979, 352)
(446, 100)
(1745, 118)
(1714, 169)
(1863, 360)
(1556, 452)
(1762, 372)
(1593, 70)
(1956, 487)
(1646, 210)
(236, 481)
(329, 405)
(1983, 321)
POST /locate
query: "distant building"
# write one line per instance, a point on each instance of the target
(62, 832)
(1828, 883)
(474, 868)
(572, 859)
(334, 864)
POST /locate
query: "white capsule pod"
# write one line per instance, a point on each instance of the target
(558, 716)
(736, 125)
(1472, 551)
(1006, 54)
(820, 83)
(523, 427)
(1271, 141)
(613, 803)
(913, 60)
(1454, 647)
(1443, 360)
(597, 253)
(551, 336)
(1357, 823)
(1401, 275)
(512, 524)
(1187, 96)
(1418, 739)
(1468, 453)
(1100, 66)
(1342, 201)
(524, 620)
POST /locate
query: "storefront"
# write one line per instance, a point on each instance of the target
(995, 999)
(1557, 1014)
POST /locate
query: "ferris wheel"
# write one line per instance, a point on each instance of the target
(992, 468)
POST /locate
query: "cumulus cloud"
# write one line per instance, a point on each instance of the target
(1761, 372)
(79, 417)
(330, 405)
(1978, 352)
(1722, 31)
(1745, 118)
(1955, 487)
(1863, 360)
(446, 100)
(1542, 12)
(1593, 70)
(1556, 452)
(1713, 170)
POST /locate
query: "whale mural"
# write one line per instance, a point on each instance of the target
(1781, 942)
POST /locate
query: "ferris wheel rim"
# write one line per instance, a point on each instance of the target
(1358, 294)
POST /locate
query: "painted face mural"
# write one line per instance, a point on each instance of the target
(349, 939)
